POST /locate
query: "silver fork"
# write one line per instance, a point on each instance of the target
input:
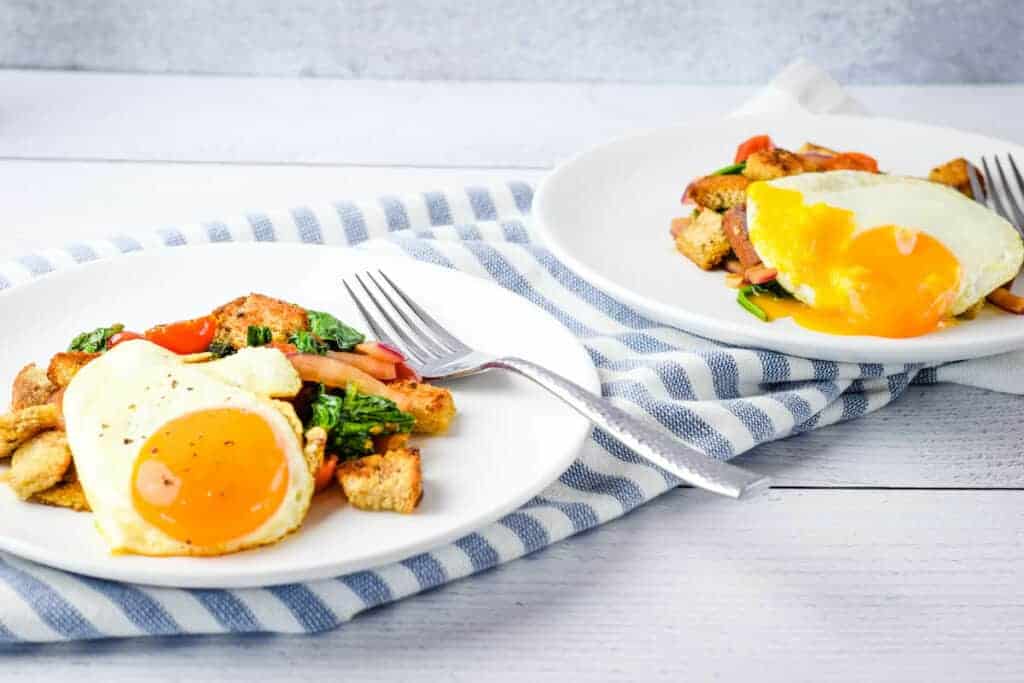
(435, 353)
(999, 196)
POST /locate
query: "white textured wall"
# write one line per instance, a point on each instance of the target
(689, 41)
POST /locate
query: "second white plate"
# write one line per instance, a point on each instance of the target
(607, 214)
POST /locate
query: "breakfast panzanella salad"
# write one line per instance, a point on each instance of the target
(212, 435)
(824, 237)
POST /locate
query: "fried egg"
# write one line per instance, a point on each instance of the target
(187, 459)
(880, 255)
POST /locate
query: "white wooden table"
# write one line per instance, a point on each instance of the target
(891, 548)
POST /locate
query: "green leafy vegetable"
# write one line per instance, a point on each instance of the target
(352, 420)
(748, 305)
(95, 341)
(219, 349)
(307, 342)
(258, 335)
(331, 330)
(772, 288)
(731, 169)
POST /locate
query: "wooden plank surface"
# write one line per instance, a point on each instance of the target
(864, 577)
(801, 585)
(58, 115)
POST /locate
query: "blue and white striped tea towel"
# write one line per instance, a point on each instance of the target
(720, 400)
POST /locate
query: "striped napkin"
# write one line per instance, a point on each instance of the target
(720, 400)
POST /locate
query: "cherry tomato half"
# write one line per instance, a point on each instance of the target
(116, 339)
(757, 143)
(186, 336)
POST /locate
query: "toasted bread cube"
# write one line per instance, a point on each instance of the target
(67, 494)
(39, 464)
(772, 163)
(31, 387)
(432, 406)
(954, 174)
(64, 366)
(18, 427)
(720, 192)
(235, 317)
(704, 241)
(389, 482)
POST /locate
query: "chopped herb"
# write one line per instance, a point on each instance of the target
(258, 335)
(352, 420)
(95, 341)
(337, 334)
(731, 169)
(219, 349)
(307, 342)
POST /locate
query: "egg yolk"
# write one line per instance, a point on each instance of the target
(885, 281)
(210, 476)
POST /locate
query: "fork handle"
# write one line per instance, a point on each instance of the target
(650, 442)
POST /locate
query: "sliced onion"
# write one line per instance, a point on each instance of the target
(759, 275)
(381, 351)
(404, 371)
(371, 365)
(332, 372)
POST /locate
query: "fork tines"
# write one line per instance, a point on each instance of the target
(398, 317)
(1000, 196)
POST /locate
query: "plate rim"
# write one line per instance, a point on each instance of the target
(324, 570)
(880, 350)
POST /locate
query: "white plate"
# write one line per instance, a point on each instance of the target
(509, 441)
(607, 212)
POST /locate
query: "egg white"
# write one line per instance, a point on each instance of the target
(121, 398)
(988, 247)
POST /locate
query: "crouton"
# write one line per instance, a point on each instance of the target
(31, 387)
(18, 427)
(39, 464)
(954, 174)
(316, 444)
(720, 192)
(772, 163)
(66, 365)
(734, 223)
(392, 481)
(703, 241)
(235, 317)
(432, 406)
(67, 494)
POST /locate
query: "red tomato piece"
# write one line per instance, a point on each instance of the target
(122, 337)
(758, 143)
(185, 336)
(325, 474)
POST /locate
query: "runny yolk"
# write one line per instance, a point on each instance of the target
(886, 281)
(210, 476)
